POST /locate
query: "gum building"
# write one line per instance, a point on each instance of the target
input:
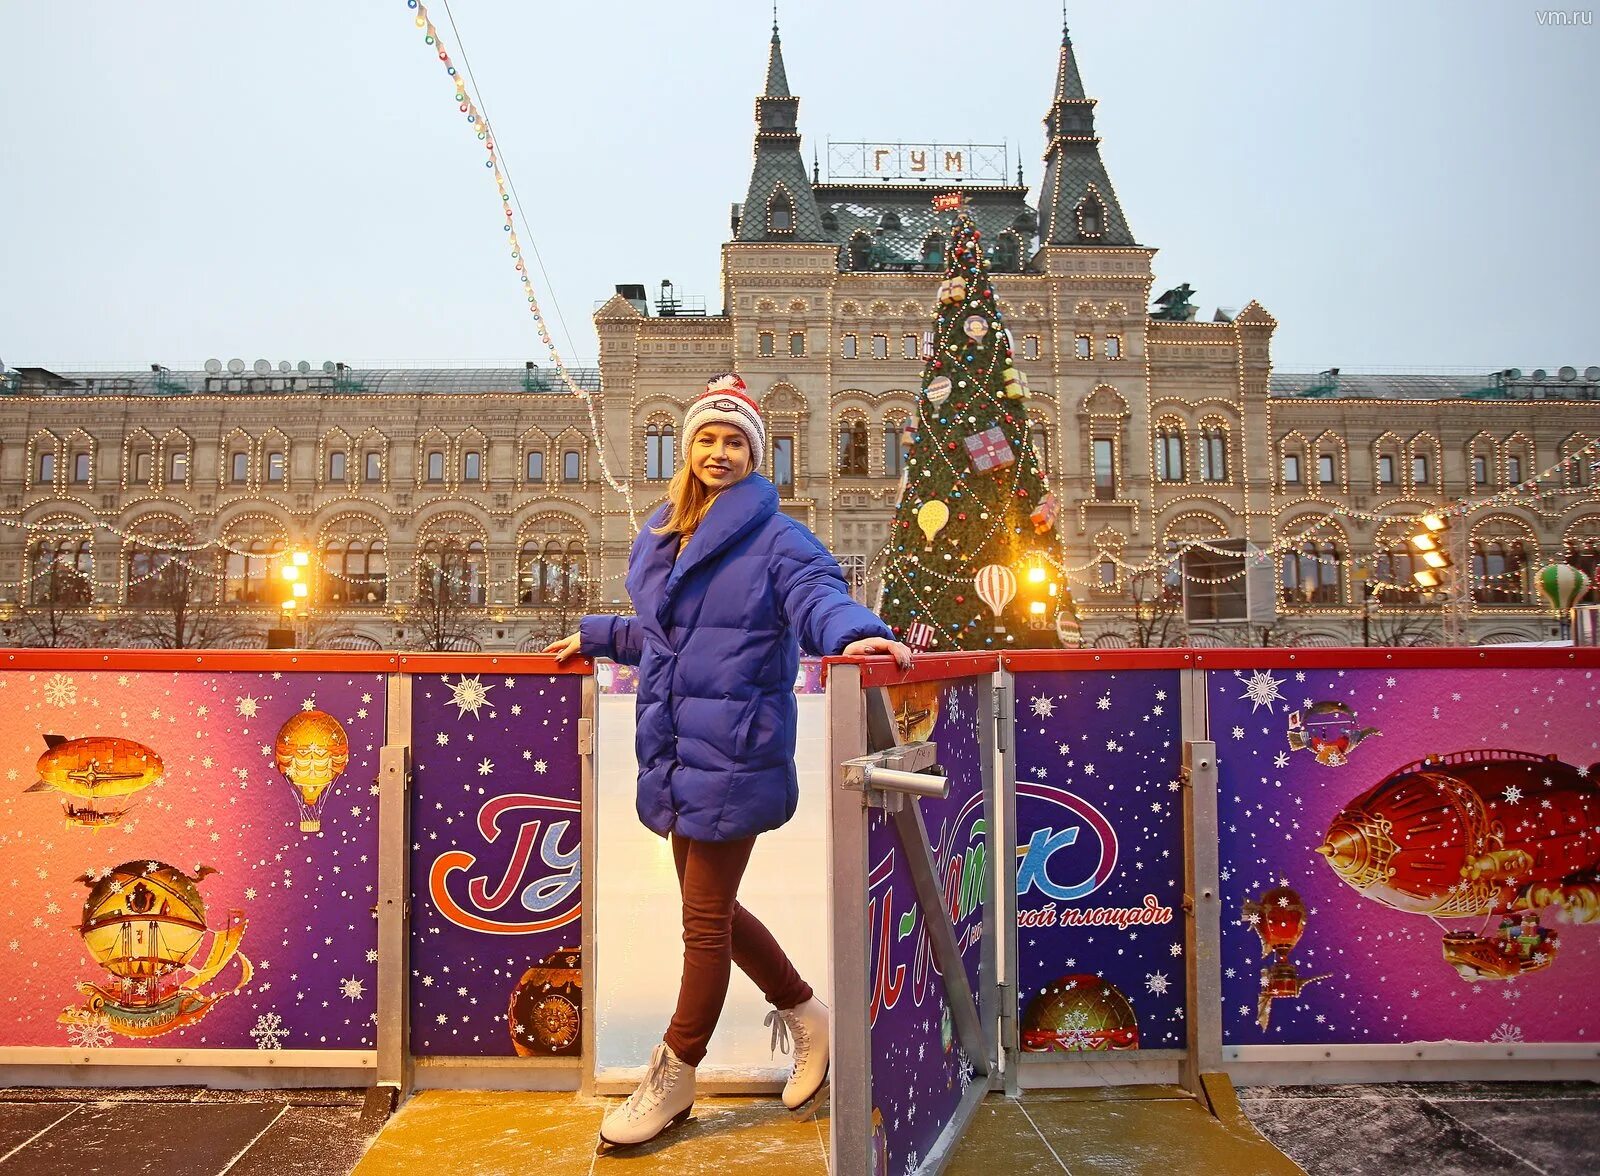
(1164, 432)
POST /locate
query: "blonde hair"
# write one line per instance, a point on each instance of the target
(687, 503)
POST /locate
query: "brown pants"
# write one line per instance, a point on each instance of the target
(718, 932)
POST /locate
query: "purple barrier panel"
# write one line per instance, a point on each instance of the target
(1099, 860)
(496, 832)
(192, 858)
(1408, 855)
(919, 1068)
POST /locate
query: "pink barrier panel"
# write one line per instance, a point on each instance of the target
(191, 843)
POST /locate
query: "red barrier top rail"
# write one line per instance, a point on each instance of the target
(320, 661)
(925, 667)
(1356, 658)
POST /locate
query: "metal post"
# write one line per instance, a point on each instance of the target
(849, 1122)
(1202, 887)
(393, 909)
(589, 865)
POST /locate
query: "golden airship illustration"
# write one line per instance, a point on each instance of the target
(96, 774)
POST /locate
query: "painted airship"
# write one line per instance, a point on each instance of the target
(1330, 730)
(1475, 834)
(97, 774)
(142, 923)
(1279, 918)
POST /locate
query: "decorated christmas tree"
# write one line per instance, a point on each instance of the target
(973, 561)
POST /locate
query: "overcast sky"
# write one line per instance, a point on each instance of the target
(1404, 185)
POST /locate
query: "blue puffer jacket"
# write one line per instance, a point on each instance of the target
(717, 641)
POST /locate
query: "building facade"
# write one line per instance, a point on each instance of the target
(1163, 433)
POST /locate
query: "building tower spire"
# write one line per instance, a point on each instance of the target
(1078, 204)
(779, 204)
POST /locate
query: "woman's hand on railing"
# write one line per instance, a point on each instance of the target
(564, 648)
(870, 645)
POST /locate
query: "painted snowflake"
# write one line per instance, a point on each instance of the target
(469, 694)
(1157, 983)
(60, 691)
(1076, 1033)
(1261, 688)
(269, 1031)
(352, 988)
(95, 1034)
(1507, 1034)
(1043, 706)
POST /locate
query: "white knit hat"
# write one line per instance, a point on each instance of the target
(727, 402)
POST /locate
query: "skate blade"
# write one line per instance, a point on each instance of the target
(807, 1110)
(605, 1146)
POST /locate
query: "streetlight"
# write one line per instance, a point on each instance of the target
(296, 590)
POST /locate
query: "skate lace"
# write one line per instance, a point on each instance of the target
(654, 1087)
(784, 1024)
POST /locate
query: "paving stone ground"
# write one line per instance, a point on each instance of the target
(1455, 1129)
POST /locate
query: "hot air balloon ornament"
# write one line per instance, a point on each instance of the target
(931, 518)
(1563, 586)
(312, 751)
(100, 771)
(996, 585)
(142, 923)
(1475, 834)
(1279, 918)
(1079, 1013)
(1329, 730)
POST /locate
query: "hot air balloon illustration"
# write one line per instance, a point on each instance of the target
(1475, 834)
(312, 752)
(996, 585)
(1329, 730)
(931, 518)
(102, 769)
(1279, 918)
(142, 923)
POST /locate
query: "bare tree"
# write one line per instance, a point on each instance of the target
(1402, 626)
(171, 613)
(1156, 611)
(443, 615)
(55, 618)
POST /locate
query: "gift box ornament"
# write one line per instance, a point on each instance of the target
(1014, 383)
(989, 450)
(927, 345)
(919, 635)
(952, 292)
(1044, 515)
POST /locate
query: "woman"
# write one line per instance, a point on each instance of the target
(727, 591)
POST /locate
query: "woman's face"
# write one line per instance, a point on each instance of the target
(719, 456)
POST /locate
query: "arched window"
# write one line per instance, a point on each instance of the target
(1583, 553)
(355, 569)
(896, 446)
(435, 465)
(571, 466)
(452, 567)
(61, 572)
(533, 467)
(1213, 454)
(1500, 570)
(780, 212)
(471, 466)
(1314, 573)
(248, 568)
(155, 570)
(853, 448)
(1091, 217)
(860, 251)
(1006, 253)
(1039, 442)
(660, 460)
(1169, 453)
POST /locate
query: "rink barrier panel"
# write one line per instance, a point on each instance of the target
(882, 836)
(390, 1063)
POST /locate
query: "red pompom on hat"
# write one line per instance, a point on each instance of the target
(727, 402)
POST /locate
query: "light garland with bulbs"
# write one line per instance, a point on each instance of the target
(480, 124)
